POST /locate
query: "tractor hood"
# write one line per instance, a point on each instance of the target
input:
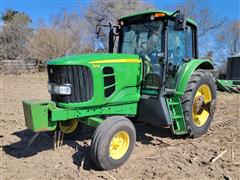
(86, 59)
(93, 87)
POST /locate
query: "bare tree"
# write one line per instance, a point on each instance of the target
(203, 15)
(209, 55)
(14, 35)
(75, 26)
(66, 34)
(206, 20)
(48, 43)
(228, 39)
(228, 43)
(8, 15)
(110, 11)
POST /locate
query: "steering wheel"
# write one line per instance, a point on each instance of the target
(140, 50)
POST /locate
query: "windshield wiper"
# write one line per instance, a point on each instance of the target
(146, 26)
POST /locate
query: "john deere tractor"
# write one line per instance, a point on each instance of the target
(155, 77)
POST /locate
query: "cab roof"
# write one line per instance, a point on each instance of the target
(168, 13)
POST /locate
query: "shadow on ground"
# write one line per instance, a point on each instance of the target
(43, 142)
(82, 158)
(20, 150)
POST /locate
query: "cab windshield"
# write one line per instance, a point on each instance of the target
(143, 39)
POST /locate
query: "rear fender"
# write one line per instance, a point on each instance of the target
(187, 71)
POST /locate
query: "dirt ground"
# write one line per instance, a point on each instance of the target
(158, 154)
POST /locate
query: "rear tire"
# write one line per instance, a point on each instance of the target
(198, 102)
(113, 142)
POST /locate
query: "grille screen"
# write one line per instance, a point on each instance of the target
(80, 78)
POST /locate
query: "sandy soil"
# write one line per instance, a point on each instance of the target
(158, 154)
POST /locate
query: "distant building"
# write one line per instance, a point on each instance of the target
(233, 67)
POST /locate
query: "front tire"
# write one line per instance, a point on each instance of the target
(113, 142)
(199, 102)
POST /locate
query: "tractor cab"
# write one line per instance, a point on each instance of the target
(164, 41)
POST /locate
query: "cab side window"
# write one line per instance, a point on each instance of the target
(180, 47)
(189, 42)
(176, 54)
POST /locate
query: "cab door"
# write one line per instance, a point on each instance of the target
(180, 50)
(152, 106)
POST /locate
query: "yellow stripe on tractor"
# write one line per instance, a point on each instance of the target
(116, 61)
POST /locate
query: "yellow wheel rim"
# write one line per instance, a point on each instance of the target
(200, 116)
(69, 126)
(119, 145)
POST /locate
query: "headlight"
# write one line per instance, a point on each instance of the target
(59, 89)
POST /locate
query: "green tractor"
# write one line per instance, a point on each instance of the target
(155, 77)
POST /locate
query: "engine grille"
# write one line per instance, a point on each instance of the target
(80, 78)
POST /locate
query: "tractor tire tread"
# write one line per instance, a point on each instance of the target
(103, 130)
(186, 99)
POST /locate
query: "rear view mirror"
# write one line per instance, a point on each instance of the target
(99, 26)
(111, 40)
(113, 32)
(180, 22)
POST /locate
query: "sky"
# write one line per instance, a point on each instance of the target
(44, 9)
